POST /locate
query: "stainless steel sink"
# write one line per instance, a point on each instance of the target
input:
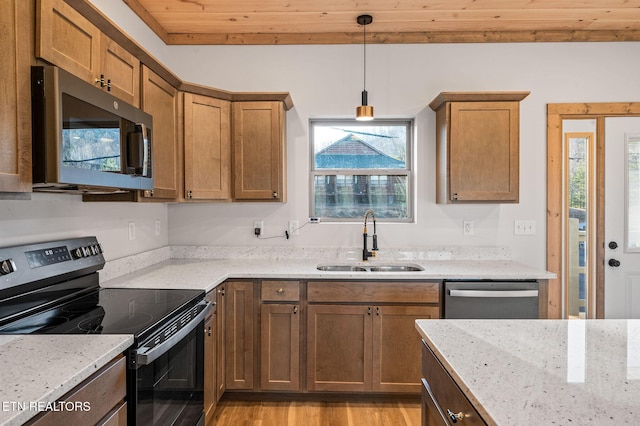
(341, 268)
(370, 268)
(396, 268)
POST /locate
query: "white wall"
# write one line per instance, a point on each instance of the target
(325, 81)
(57, 216)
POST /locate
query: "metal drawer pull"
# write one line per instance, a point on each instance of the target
(491, 293)
(455, 416)
(280, 291)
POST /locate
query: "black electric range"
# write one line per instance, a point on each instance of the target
(53, 288)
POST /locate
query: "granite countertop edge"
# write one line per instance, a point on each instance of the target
(43, 368)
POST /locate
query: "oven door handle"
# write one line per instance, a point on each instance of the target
(493, 293)
(145, 355)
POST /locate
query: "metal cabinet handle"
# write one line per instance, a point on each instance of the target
(295, 310)
(280, 291)
(493, 294)
(377, 311)
(369, 310)
(455, 416)
(208, 331)
(275, 194)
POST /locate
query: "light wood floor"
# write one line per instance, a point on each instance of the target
(315, 413)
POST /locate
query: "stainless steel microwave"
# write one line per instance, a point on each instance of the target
(84, 139)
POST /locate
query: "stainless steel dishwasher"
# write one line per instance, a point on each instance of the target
(491, 299)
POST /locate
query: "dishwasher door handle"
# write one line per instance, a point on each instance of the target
(493, 293)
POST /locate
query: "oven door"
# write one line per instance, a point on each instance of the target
(166, 383)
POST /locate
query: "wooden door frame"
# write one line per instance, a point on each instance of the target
(555, 114)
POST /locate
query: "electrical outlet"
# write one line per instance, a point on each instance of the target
(258, 227)
(467, 227)
(157, 227)
(132, 230)
(293, 227)
(524, 227)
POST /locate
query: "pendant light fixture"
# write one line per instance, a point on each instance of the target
(364, 112)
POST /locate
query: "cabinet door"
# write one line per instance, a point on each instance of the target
(207, 161)
(397, 347)
(210, 399)
(220, 342)
(280, 347)
(240, 319)
(122, 70)
(67, 39)
(339, 348)
(259, 151)
(15, 93)
(159, 99)
(484, 151)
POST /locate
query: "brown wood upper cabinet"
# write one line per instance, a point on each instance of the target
(259, 151)
(477, 146)
(207, 148)
(15, 93)
(160, 99)
(69, 40)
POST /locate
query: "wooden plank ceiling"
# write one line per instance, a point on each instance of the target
(394, 21)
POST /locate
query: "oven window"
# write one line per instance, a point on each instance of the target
(90, 136)
(170, 389)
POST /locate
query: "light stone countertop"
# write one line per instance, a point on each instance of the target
(543, 372)
(42, 368)
(206, 274)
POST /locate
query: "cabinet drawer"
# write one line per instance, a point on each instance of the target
(373, 292)
(104, 390)
(280, 291)
(446, 394)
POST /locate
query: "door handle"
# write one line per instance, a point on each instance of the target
(613, 245)
(614, 263)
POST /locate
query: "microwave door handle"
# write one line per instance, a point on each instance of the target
(138, 151)
(145, 149)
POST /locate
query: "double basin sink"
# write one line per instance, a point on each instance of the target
(370, 268)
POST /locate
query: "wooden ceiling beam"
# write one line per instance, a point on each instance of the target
(405, 38)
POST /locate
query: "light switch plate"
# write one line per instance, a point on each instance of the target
(524, 227)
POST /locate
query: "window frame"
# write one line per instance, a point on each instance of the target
(408, 171)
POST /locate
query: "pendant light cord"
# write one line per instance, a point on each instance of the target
(364, 48)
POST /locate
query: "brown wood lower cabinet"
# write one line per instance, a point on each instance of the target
(361, 335)
(339, 348)
(210, 367)
(280, 347)
(104, 391)
(240, 323)
(358, 348)
(443, 403)
(321, 336)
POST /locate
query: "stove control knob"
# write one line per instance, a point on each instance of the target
(77, 253)
(7, 266)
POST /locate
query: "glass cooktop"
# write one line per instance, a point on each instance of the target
(110, 311)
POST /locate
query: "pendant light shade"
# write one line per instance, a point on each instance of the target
(365, 111)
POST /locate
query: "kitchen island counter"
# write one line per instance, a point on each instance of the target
(542, 372)
(39, 369)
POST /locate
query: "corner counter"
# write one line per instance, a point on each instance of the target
(39, 369)
(542, 372)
